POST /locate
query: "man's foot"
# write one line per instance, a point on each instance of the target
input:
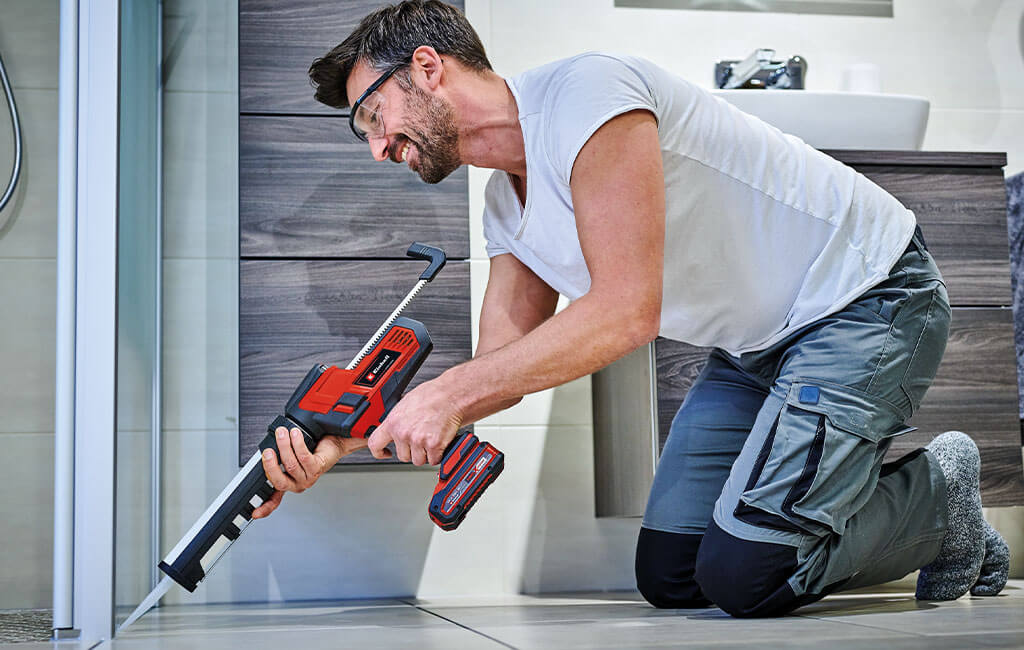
(996, 567)
(957, 566)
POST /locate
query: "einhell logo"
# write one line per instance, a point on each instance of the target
(378, 367)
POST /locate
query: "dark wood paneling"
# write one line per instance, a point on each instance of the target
(277, 42)
(678, 365)
(975, 391)
(962, 212)
(309, 188)
(294, 314)
(919, 158)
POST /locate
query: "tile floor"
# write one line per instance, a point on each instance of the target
(885, 617)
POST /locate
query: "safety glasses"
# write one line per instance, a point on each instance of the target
(366, 118)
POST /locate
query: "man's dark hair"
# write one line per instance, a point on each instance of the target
(388, 37)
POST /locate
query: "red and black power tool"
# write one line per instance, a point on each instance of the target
(349, 402)
(352, 402)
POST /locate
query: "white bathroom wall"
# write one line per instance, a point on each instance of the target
(28, 285)
(966, 56)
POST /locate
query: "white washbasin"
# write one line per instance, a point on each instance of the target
(839, 120)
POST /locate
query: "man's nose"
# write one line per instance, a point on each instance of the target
(379, 148)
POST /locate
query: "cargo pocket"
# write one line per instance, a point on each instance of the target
(929, 348)
(820, 462)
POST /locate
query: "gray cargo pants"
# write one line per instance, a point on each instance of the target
(771, 492)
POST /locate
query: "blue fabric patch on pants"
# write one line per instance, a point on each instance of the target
(809, 395)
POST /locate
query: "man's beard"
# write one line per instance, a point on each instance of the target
(436, 136)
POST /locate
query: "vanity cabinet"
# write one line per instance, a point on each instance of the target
(323, 228)
(960, 203)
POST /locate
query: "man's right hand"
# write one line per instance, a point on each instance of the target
(297, 468)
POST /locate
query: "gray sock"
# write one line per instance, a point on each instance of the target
(957, 566)
(996, 567)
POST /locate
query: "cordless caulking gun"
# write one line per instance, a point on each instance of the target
(350, 402)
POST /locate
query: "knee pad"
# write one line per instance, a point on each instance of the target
(664, 569)
(744, 578)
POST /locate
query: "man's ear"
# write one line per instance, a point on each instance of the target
(427, 67)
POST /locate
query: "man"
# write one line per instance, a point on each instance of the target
(659, 209)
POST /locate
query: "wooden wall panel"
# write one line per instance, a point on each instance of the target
(277, 42)
(975, 391)
(962, 212)
(959, 198)
(294, 314)
(309, 188)
(678, 366)
(858, 157)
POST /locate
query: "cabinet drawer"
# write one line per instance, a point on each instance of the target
(277, 42)
(962, 212)
(309, 188)
(975, 391)
(293, 314)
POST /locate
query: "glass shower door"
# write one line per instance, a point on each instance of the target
(138, 366)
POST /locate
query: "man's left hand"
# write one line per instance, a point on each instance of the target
(421, 425)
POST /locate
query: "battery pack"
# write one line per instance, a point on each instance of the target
(468, 467)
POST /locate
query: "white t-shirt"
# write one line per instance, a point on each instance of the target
(763, 234)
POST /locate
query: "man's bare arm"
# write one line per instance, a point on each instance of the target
(619, 200)
(516, 302)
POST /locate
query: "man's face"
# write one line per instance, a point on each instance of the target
(419, 128)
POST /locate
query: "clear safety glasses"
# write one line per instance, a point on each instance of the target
(366, 118)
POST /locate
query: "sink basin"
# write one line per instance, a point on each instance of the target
(838, 120)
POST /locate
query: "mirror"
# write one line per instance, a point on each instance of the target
(879, 8)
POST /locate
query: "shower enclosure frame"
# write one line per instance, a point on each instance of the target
(89, 196)
(95, 316)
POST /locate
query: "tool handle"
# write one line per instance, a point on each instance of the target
(217, 528)
(270, 440)
(454, 452)
(434, 255)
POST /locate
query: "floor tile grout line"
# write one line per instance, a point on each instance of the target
(465, 627)
(922, 635)
(870, 627)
